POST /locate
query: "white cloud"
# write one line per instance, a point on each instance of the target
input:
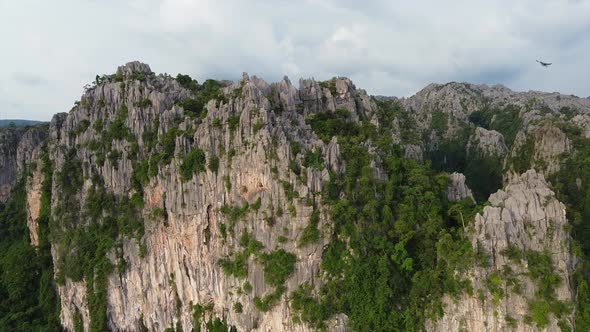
(386, 47)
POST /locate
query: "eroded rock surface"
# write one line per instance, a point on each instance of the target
(261, 135)
(489, 143)
(458, 189)
(524, 220)
(19, 146)
(180, 266)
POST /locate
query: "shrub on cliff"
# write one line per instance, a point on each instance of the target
(194, 162)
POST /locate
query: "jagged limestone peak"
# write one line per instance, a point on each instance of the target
(523, 230)
(203, 180)
(134, 67)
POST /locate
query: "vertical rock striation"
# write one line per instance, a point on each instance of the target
(222, 174)
(523, 224)
(175, 265)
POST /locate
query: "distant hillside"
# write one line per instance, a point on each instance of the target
(16, 122)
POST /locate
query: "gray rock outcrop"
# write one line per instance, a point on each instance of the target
(458, 189)
(261, 134)
(181, 264)
(524, 221)
(544, 146)
(489, 143)
(19, 146)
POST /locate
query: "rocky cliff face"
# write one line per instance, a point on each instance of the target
(544, 146)
(18, 146)
(191, 191)
(8, 162)
(21, 147)
(458, 189)
(186, 234)
(487, 142)
(524, 236)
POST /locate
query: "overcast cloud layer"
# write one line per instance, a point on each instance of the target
(51, 49)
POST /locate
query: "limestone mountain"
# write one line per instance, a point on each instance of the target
(161, 203)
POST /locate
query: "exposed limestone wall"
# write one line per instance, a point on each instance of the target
(180, 266)
(458, 189)
(488, 143)
(524, 217)
(34, 205)
(183, 247)
(8, 175)
(543, 147)
(19, 147)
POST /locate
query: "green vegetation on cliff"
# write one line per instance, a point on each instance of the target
(483, 173)
(202, 94)
(571, 184)
(394, 247)
(28, 298)
(505, 120)
(84, 235)
(391, 243)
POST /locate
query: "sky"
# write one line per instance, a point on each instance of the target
(51, 49)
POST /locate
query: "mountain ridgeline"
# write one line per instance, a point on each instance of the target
(17, 123)
(159, 203)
